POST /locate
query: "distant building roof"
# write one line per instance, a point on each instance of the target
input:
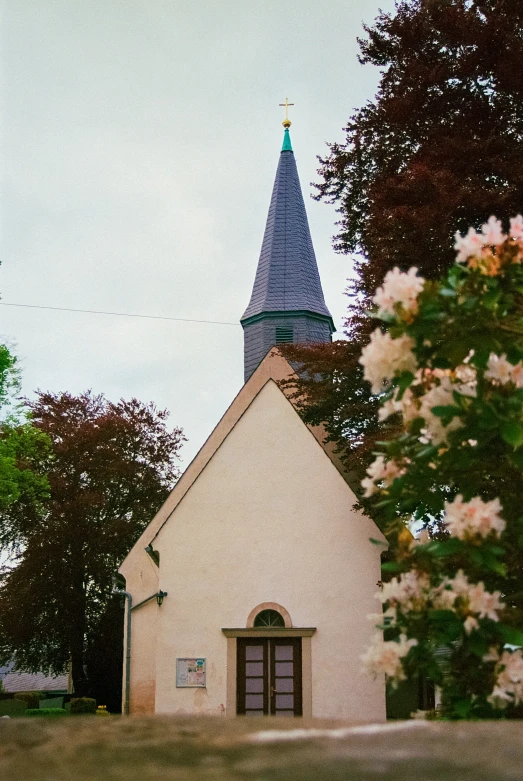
(29, 682)
(287, 277)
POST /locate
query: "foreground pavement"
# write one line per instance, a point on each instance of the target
(174, 749)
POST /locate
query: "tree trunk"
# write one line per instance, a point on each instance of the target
(78, 624)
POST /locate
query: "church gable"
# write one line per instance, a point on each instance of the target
(271, 467)
(280, 419)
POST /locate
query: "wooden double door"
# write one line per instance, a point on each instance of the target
(269, 676)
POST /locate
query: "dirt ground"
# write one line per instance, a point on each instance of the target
(173, 749)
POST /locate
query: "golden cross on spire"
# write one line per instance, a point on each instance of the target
(286, 122)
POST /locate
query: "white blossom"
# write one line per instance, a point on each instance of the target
(492, 232)
(474, 597)
(499, 369)
(384, 657)
(407, 406)
(483, 602)
(509, 680)
(399, 288)
(467, 520)
(516, 375)
(516, 227)
(441, 395)
(409, 591)
(438, 396)
(468, 246)
(380, 471)
(470, 624)
(384, 357)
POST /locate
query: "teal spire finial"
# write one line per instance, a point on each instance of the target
(286, 146)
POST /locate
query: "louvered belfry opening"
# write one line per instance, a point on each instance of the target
(284, 333)
(287, 303)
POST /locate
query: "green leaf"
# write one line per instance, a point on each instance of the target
(517, 459)
(405, 379)
(510, 634)
(446, 411)
(429, 451)
(379, 542)
(447, 291)
(390, 566)
(462, 708)
(441, 615)
(447, 548)
(512, 433)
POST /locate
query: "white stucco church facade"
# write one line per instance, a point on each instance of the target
(249, 592)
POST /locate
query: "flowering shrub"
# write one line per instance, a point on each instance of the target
(448, 365)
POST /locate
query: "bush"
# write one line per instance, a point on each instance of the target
(451, 354)
(83, 705)
(12, 708)
(31, 699)
(46, 712)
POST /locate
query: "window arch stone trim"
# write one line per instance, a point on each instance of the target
(269, 606)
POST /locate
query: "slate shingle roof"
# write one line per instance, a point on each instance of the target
(26, 682)
(287, 277)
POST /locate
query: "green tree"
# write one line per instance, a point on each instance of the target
(111, 468)
(24, 449)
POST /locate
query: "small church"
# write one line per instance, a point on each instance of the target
(248, 594)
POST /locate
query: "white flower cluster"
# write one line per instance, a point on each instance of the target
(383, 472)
(440, 395)
(410, 591)
(384, 357)
(477, 247)
(399, 288)
(508, 688)
(440, 384)
(473, 599)
(473, 244)
(500, 371)
(384, 657)
(469, 520)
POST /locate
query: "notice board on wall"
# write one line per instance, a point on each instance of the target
(190, 672)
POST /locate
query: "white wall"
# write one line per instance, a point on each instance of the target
(268, 519)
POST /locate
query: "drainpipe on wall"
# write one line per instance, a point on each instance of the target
(129, 599)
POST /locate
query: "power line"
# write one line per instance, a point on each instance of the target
(119, 314)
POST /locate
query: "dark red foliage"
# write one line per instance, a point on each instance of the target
(441, 146)
(112, 468)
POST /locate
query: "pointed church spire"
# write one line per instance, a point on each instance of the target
(287, 303)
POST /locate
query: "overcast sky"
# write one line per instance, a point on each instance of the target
(140, 140)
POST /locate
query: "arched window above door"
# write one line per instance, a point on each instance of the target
(269, 618)
(269, 614)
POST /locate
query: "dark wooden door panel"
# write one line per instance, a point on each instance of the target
(269, 676)
(253, 677)
(285, 677)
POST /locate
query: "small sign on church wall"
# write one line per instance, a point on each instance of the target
(190, 672)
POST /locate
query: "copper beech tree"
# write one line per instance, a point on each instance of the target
(112, 465)
(440, 148)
